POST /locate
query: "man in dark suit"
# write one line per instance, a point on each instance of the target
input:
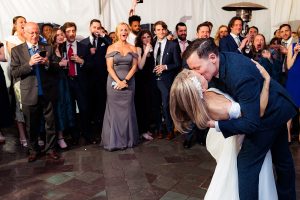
(30, 64)
(181, 32)
(167, 64)
(77, 75)
(236, 75)
(234, 42)
(97, 44)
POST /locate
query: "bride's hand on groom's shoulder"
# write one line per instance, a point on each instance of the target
(262, 70)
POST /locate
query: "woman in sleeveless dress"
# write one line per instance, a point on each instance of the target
(189, 104)
(120, 129)
(15, 39)
(293, 78)
(145, 83)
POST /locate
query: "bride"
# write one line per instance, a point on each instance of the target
(191, 102)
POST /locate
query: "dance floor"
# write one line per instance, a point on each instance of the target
(159, 169)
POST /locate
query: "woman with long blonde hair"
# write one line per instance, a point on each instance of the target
(192, 103)
(222, 32)
(120, 130)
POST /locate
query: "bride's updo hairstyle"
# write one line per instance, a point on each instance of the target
(187, 105)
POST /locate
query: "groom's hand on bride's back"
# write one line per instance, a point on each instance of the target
(211, 124)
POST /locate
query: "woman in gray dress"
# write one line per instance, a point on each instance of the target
(120, 128)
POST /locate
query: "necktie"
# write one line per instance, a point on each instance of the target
(33, 49)
(157, 61)
(37, 71)
(183, 47)
(284, 65)
(71, 63)
(94, 42)
(238, 41)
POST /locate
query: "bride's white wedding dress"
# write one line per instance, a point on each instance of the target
(224, 183)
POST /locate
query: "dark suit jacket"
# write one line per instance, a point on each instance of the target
(21, 70)
(240, 78)
(228, 44)
(97, 61)
(82, 52)
(184, 64)
(171, 58)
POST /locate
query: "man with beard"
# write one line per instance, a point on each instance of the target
(181, 32)
(135, 26)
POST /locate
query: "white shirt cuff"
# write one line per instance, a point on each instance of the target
(217, 126)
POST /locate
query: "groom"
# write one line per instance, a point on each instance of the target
(238, 76)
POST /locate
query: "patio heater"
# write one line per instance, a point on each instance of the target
(244, 10)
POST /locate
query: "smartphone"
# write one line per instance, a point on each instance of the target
(113, 84)
(43, 53)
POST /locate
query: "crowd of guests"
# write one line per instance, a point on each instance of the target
(120, 81)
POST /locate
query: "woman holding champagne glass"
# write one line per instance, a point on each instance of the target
(63, 107)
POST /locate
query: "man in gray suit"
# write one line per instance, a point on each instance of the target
(30, 64)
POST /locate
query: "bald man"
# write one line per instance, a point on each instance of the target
(30, 64)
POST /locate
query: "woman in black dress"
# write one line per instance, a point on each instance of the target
(145, 82)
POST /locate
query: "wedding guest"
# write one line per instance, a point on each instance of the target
(135, 27)
(97, 43)
(144, 82)
(77, 77)
(292, 83)
(167, 64)
(120, 130)
(222, 32)
(15, 39)
(65, 117)
(38, 89)
(47, 31)
(112, 36)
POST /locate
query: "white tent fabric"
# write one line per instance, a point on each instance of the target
(111, 12)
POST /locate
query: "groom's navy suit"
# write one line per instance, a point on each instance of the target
(240, 78)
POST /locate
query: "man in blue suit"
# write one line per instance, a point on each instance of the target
(167, 64)
(234, 42)
(237, 75)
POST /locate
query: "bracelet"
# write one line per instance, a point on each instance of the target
(126, 80)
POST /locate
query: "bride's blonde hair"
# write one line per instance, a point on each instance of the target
(187, 105)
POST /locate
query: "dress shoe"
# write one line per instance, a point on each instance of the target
(53, 155)
(170, 136)
(32, 157)
(160, 136)
(187, 144)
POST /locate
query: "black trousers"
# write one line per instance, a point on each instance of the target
(78, 94)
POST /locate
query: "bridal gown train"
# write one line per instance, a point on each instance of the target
(224, 183)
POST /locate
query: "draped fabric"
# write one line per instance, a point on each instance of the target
(111, 12)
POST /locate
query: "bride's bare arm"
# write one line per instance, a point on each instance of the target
(264, 95)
